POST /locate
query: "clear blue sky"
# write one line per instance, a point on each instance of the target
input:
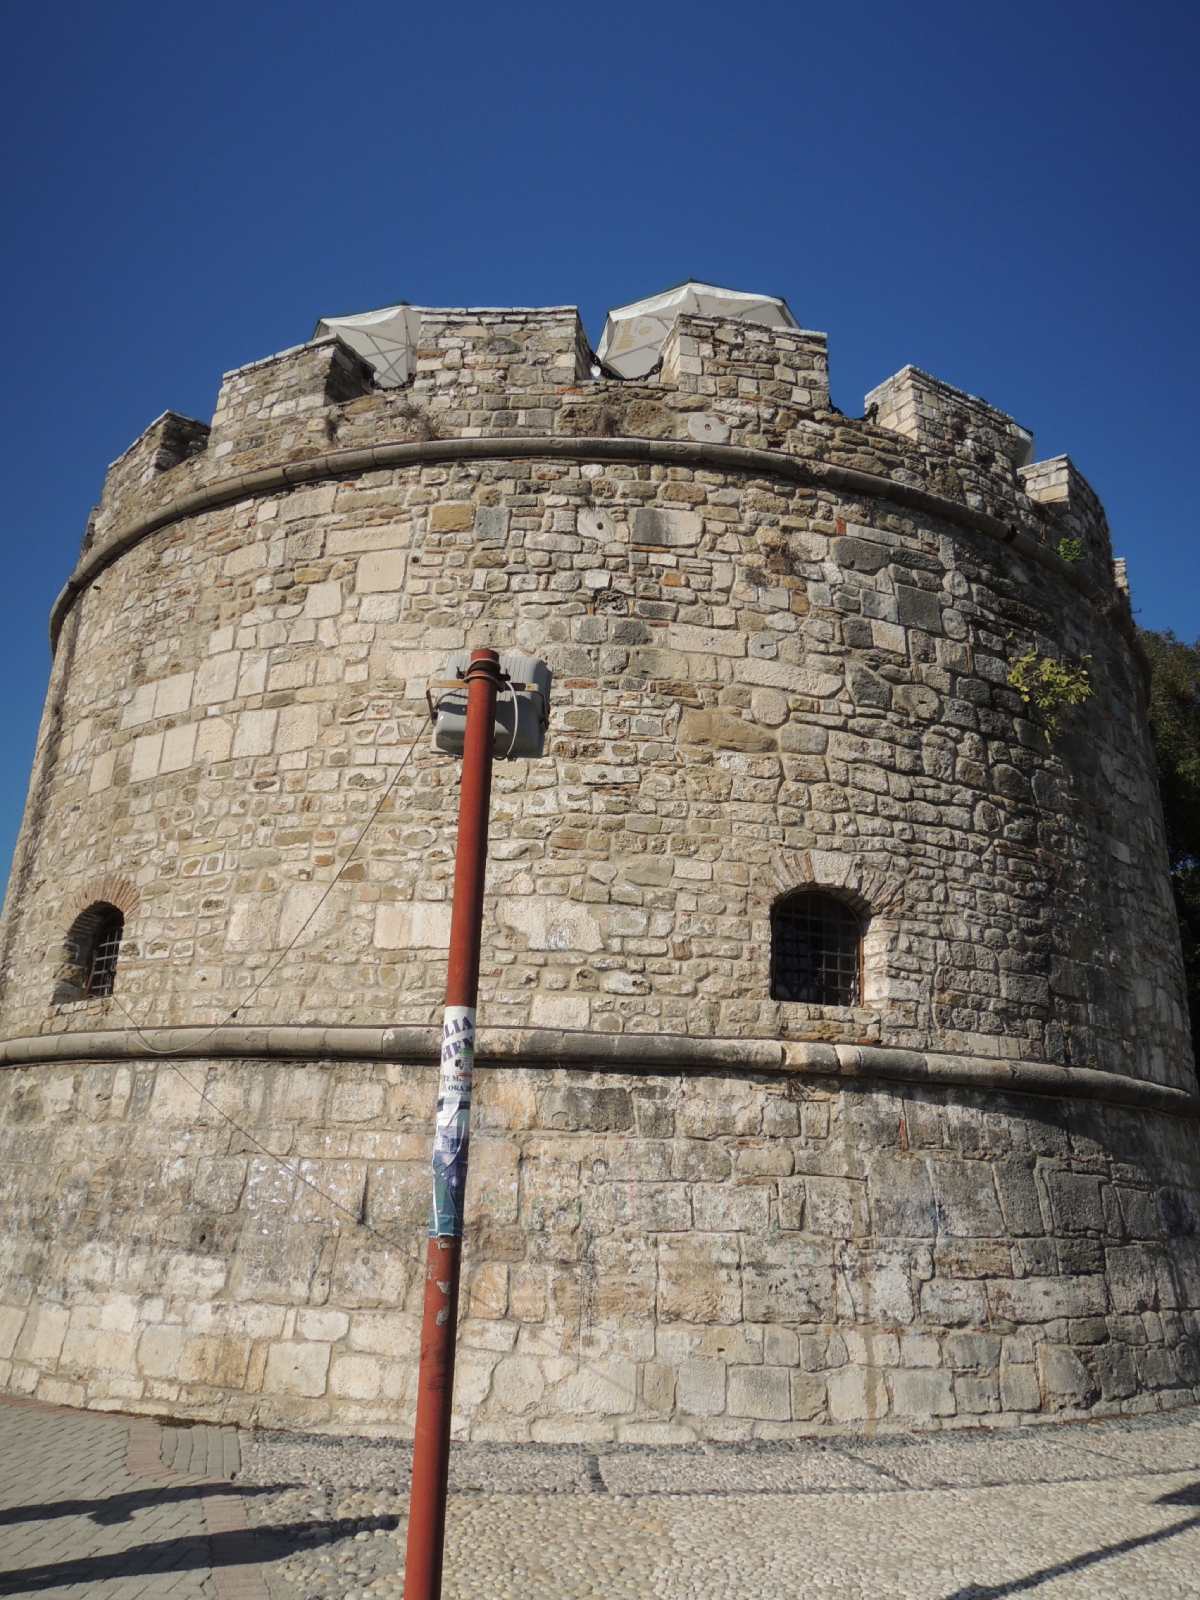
(1006, 198)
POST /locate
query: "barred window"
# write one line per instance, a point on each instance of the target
(816, 950)
(92, 947)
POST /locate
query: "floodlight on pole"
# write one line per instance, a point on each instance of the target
(466, 719)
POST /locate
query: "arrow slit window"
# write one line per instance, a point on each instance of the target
(816, 950)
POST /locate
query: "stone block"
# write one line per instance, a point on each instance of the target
(667, 529)
(858, 1394)
(518, 1384)
(216, 679)
(355, 1377)
(297, 728)
(1064, 1378)
(413, 925)
(296, 1369)
(452, 517)
(11, 1320)
(966, 1199)
(147, 750)
(1044, 1299)
(700, 1387)
(762, 1392)
(923, 1392)
(178, 748)
(604, 1387)
(901, 1197)
(787, 1281)
(173, 695)
(1019, 1388)
(41, 1339)
(254, 732)
(380, 571)
(699, 1279)
(323, 600)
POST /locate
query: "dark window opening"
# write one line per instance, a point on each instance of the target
(816, 950)
(93, 946)
(105, 949)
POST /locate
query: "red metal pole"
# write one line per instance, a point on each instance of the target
(435, 1381)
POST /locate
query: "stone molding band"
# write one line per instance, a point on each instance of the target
(668, 452)
(613, 1052)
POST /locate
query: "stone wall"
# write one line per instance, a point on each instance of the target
(652, 1256)
(782, 641)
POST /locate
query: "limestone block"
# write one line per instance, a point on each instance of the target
(380, 571)
(858, 1394)
(309, 913)
(252, 923)
(604, 1387)
(178, 748)
(559, 1011)
(783, 675)
(728, 1208)
(214, 739)
(901, 1197)
(699, 1279)
(700, 1387)
(356, 1377)
(670, 529)
(548, 924)
(173, 695)
(1064, 1378)
(357, 1101)
(952, 1303)
(724, 732)
(323, 599)
(101, 775)
(966, 1199)
(922, 1392)
(254, 732)
(518, 1384)
(413, 925)
(325, 1326)
(1045, 1299)
(11, 1320)
(762, 1392)
(41, 1339)
(314, 502)
(140, 707)
(294, 1368)
(1019, 1388)
(297, 728)
(147, 751)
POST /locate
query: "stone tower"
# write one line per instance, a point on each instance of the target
(835, 1068)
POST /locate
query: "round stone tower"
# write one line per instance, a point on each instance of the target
(834, 1063)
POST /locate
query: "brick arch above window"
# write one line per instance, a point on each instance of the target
(92, 941)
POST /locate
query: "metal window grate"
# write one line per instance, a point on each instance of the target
(103, 969)
(816, 951)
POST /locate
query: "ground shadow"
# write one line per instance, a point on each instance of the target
(194, 1552)
(1188, 1496)
(120, 1507)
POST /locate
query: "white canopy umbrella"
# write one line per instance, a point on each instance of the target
(634, 334)
(387, 339)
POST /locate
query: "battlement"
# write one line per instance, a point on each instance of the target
(474, 373)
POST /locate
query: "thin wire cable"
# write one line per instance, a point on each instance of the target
(191, 1047)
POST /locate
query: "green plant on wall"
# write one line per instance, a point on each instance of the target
(1070, 550)
(1050, 687)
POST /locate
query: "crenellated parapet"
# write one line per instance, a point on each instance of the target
(529, 374)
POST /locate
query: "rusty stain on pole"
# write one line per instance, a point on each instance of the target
(435, 1383)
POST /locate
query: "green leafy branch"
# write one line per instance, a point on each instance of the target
(1050, 686)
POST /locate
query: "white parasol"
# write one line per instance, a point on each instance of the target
(634, 334)
(387, 339)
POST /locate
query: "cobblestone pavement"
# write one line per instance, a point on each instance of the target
(117, 1507)
(1108, 1509)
